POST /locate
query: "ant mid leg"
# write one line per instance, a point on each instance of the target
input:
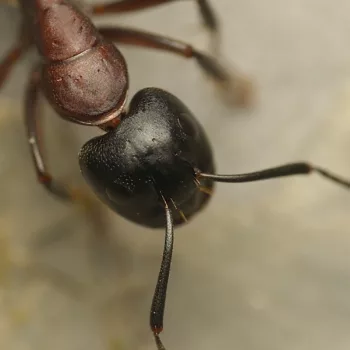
(56, 188)
(233, 85)
(206, 11)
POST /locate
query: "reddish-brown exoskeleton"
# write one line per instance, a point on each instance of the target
(155, 158)
(83, 74)
(85, 78)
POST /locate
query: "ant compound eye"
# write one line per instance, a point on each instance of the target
(188, 126)
(122, 189)
(125, 182)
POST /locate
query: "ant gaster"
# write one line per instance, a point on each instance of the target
(154, 164)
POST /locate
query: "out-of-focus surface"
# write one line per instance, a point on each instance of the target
(265, 266)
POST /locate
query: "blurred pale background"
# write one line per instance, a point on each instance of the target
(265, 266)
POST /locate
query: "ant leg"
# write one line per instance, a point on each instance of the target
(236, 87)
(207, 13)
(12, 3)
(60, 190)
(301, 168)
(11, 58)
(31, 119)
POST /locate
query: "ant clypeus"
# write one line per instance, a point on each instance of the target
(154, 165)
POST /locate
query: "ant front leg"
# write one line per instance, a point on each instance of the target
(9, 61)
(234, 86)
(12, 57)
(206, 11)
(32, 121)
(54, 187)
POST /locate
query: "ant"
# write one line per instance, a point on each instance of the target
(154, 165)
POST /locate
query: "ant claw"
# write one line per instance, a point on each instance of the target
(237, 91)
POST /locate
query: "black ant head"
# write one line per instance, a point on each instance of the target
(151, 156)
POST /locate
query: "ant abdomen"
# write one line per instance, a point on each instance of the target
(151, 156)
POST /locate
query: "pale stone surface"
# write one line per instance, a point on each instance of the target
(266, 266)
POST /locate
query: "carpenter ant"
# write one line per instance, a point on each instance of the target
(154, 165)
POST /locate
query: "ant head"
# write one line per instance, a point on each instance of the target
(90, 88)
(150, 156)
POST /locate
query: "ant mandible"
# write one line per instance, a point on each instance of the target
(154, 165)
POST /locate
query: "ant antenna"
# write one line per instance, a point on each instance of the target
(280, 171)
(159, 343)
(159, 297)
